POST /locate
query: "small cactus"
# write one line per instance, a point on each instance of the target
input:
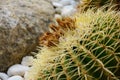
(85, 48)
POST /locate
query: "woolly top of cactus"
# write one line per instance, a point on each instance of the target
(65, 34)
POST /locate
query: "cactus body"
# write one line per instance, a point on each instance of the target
(86, 4)
(90, 51)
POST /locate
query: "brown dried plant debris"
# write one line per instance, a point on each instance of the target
(52, 38)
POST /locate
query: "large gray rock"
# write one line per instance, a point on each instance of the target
(21, 22)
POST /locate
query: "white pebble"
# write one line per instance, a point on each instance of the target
(26, 75)
(57, 16)
(58, 10)
(17, 69)
(54, 0)
(15, 78)
(68, 10)
(74, 3)
(27, 61)
(56, 4)
(3, 76)
(65, 2)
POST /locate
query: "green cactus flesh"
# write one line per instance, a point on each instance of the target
(89, 52)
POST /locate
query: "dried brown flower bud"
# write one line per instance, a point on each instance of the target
(52, 38)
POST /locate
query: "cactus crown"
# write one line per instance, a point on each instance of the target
(86, 48)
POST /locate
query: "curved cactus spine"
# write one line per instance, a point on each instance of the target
(88, 48)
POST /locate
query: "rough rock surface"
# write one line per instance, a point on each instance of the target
(21, 22)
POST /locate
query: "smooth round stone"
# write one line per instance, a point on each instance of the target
(56, 4)
(66, 2)
(3, 76)
(15, 78)
(58, 10)
(68, 10)
(57, 16)
(55, 0)
(74, 3)
(17, 69)
(27, 61)
(26, 75)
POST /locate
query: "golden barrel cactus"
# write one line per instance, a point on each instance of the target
(84, 47)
